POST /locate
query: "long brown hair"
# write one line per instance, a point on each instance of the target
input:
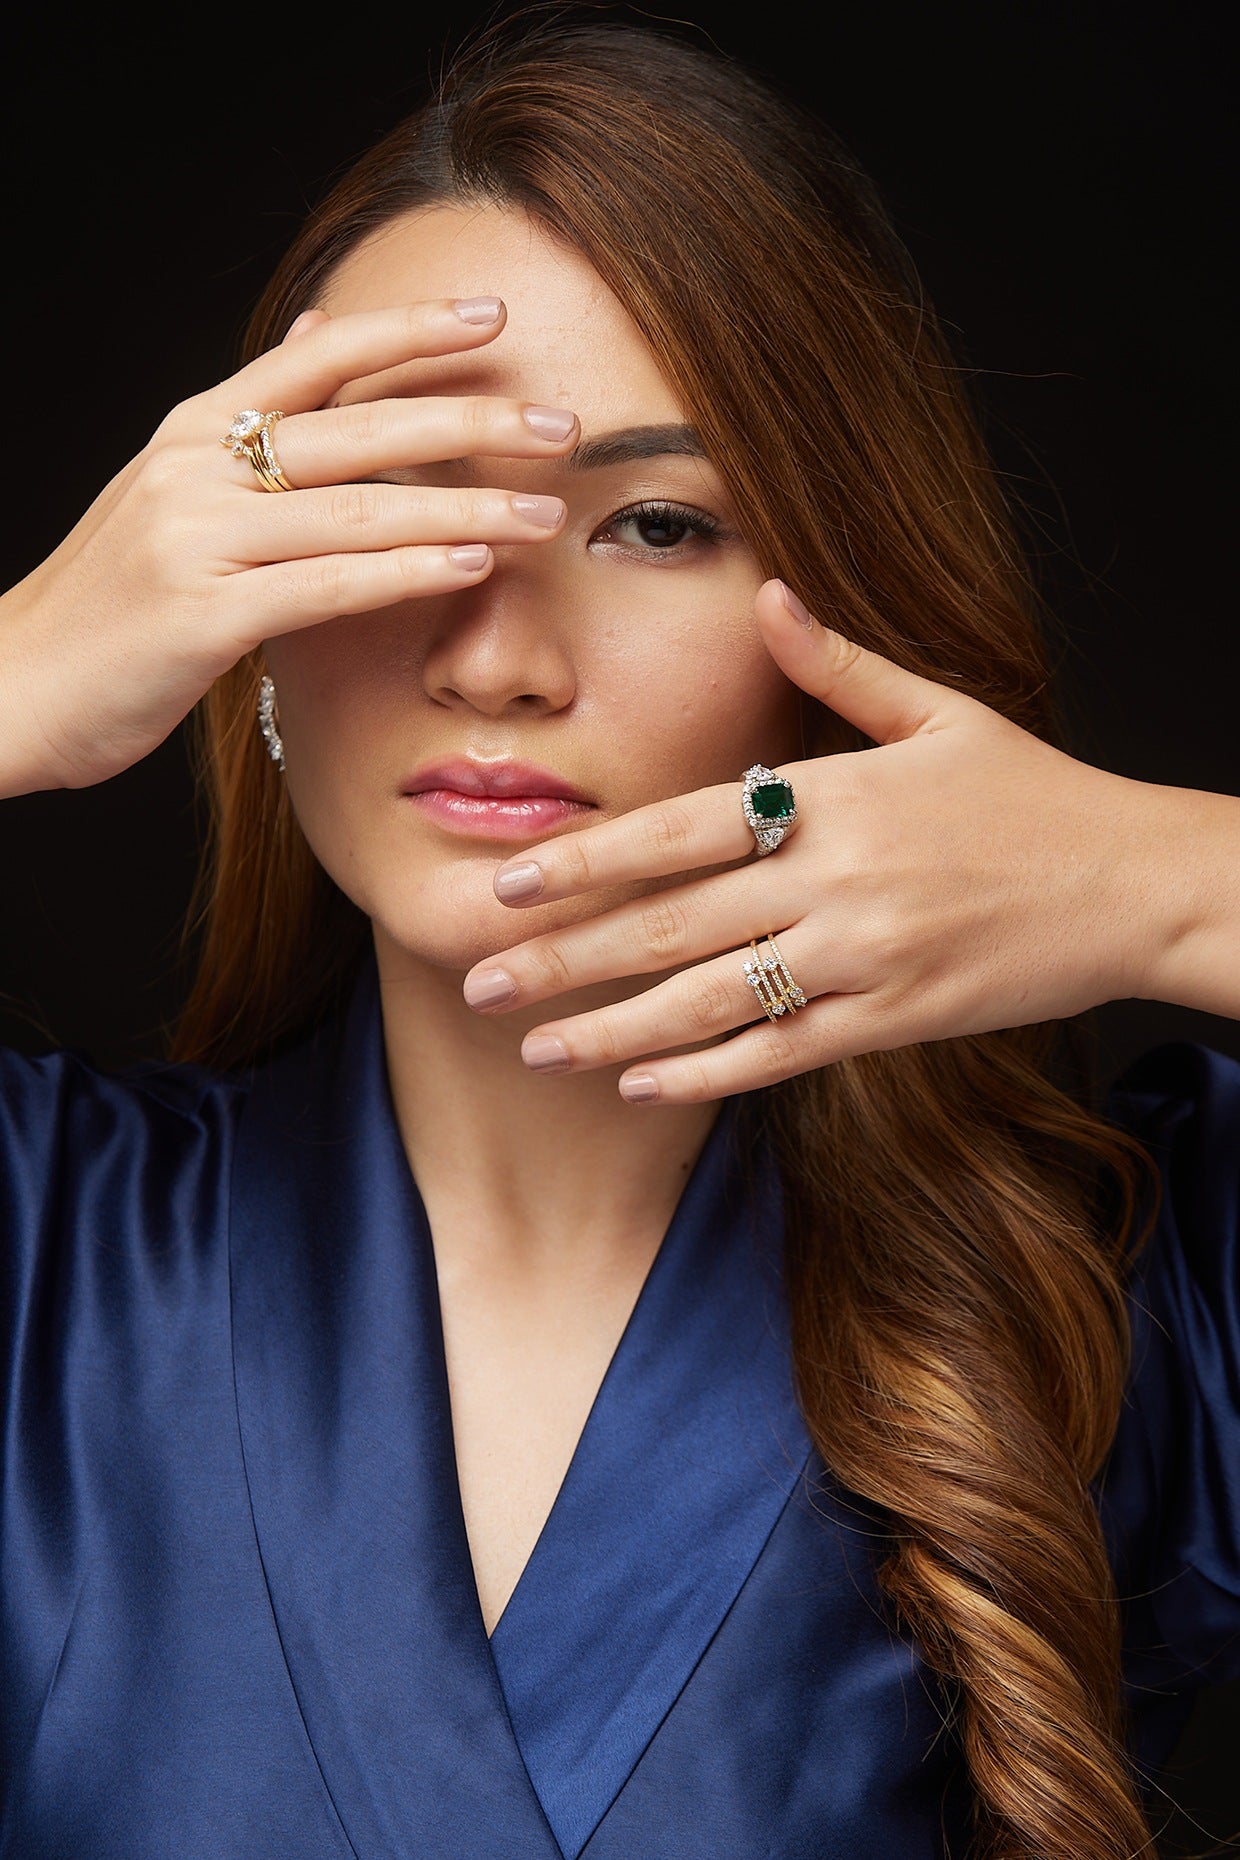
(959, 1223)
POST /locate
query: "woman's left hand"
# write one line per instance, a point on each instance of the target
(961, 876)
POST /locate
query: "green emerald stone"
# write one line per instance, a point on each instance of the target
(772, 800)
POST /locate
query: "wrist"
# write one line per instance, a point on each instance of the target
(1186, 902)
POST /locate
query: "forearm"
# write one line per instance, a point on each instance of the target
(1190, 890)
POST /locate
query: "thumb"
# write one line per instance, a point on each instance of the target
(878, 696)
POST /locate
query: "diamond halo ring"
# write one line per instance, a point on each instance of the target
(769, 804)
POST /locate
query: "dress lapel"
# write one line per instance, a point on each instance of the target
(344, 1410)
(690, 1453)
(428, 1736)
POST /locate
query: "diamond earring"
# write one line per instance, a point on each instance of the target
(267, 722)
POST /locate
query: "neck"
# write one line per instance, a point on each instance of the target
(526, 1175)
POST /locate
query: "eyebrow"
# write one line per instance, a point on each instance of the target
(635, 442)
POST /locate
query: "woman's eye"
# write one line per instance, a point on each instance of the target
(659, 528)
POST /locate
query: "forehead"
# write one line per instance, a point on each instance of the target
(567, 340)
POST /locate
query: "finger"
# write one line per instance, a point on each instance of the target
(878, 696)
(656, 932)
(290, 595)
(309, 319)
(707, 827)
(305, 373)
(339, 444)
(700, 1003)
(830, 1028)
(385, 516)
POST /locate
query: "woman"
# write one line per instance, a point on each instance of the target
(796, 1423)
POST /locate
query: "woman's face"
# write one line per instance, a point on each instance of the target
(622, 655)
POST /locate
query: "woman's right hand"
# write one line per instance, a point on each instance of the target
(185, 562)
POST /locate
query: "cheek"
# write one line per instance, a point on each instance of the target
(700, 702)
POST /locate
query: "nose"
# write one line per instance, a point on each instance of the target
(505, 644)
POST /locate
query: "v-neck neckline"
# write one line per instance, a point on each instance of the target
(691, 1449)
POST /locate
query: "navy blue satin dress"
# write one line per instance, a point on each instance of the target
(239, 1614)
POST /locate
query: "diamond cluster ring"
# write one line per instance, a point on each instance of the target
(250, 436)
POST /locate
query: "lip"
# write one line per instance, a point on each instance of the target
(497, 780)
(506, 801)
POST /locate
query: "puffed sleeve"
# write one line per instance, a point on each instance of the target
(1169, 1495)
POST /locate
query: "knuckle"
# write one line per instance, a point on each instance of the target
(164, 468)
(769, 1049)
(669, 832)
(353, 507)
(364, 425)
(609, 1047)
(326, 584)
(476, 417)
(847, 655)
(692, 1080)
(572, 860)
(712, 1003)
(550, 966)
(662, 926)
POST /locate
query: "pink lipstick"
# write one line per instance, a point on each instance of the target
(495, 800)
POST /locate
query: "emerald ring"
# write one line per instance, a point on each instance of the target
(769, 804)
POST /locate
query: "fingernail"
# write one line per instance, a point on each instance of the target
(519, 881)
(796, 607)
(550, 422)
(547, 512)
(478, 309)
(640, 1089)
(470, 555)
(542, 1052)
(489, 988)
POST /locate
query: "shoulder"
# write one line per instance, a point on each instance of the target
(1172, 1495)
(1180, 1095)
(60, 1105)
(99, 1166)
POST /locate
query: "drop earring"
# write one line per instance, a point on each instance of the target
(267, 722)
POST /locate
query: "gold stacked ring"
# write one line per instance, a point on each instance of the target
(250, 434)
(771, 980)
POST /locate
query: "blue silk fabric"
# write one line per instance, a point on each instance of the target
(239, 1614)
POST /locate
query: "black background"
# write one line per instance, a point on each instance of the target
(1060, 174)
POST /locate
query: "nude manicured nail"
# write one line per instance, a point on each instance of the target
(522, 881)
(550, 422)
(542, 1052)
(796, 606)
(470, 555)
(640, 1089)
(547, 512)
(489, 988)
(478, 309)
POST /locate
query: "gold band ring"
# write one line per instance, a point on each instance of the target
(250, 435)
(771, 980)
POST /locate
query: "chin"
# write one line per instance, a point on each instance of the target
(449, 917)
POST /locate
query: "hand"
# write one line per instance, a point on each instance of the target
(961, 876)
(185, 562)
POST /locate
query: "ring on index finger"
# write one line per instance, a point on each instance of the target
(769, 804)
(250, 433)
